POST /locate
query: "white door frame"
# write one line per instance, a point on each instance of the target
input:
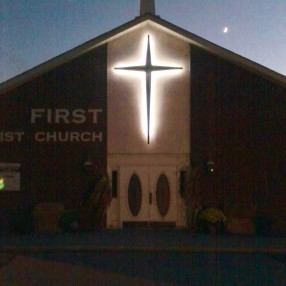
(161, 164)
(148, 176)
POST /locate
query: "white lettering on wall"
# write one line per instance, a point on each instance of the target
(36, 113)
(59, 116)
(11, 136)
(64, 116)
(94, 114)
(40, 136)
(78, 116)
(68, 137)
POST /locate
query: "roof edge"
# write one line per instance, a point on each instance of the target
(69, 55)
(108, 36)
(225, 53)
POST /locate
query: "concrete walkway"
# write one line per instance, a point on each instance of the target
(142, 257)
(142, 240)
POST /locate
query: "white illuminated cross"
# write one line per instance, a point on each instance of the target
(148, 68)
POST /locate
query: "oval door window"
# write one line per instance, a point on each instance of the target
(163, 195)
(134, 195)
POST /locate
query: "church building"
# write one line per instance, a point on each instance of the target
(145, 102)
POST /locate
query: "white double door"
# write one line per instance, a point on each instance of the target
(148, 194)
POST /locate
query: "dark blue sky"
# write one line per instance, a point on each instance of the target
(34, 31)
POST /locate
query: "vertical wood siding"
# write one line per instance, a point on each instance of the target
(238, 120)
(54, 171)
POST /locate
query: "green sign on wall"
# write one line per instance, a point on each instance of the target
(2, 184)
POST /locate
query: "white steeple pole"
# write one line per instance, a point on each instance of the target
(147, 6)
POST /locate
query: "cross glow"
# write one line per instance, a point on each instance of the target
(149, 68)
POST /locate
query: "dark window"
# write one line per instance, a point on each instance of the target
(114, 184)
(134, 195)
(182, 182)
(163, 195)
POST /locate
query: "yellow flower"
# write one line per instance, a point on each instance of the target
(212, 215)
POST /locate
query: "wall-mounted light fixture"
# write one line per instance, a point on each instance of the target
(209, 166)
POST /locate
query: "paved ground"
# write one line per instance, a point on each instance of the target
(142, 257)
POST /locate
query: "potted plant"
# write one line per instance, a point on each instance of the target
(211, 220)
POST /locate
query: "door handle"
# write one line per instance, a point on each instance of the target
(150, 198)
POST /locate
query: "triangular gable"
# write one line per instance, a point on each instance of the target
(129, 26)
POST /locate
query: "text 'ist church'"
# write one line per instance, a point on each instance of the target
(146, 102)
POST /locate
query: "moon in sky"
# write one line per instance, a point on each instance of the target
(225, 30)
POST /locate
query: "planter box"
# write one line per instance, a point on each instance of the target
(240, 226)
(46, 217)
(240, 219)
